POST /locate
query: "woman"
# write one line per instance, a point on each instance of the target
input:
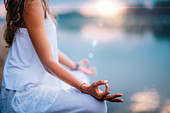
(28, 85)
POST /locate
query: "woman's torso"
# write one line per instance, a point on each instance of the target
(23, 68)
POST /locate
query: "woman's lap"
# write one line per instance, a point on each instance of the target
(52, 99)
(73, 101)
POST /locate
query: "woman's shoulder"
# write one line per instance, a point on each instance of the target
(32, 1)
(29, 2)
(33, 7)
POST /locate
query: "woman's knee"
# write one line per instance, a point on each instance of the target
(100, 107)
(96, 106)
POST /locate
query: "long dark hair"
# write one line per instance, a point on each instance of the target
(14, 18)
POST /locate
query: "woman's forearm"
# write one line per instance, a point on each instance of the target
(59, 71)
(63, 59)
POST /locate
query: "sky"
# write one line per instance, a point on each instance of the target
(65, 6)
(79, 2)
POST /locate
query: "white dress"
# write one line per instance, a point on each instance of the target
(28, 88)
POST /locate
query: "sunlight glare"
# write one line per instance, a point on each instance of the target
(105, 8)
(108, 8)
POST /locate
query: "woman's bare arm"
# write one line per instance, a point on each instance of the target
(63, 59)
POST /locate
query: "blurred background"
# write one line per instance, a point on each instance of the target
(127, 40)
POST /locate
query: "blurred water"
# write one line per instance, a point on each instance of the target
(135, 59)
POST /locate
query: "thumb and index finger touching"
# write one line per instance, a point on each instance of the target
(102, 82)
(85, 62)
(107, 91)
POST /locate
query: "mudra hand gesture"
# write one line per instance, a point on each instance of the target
(84, 66)
(94, 91)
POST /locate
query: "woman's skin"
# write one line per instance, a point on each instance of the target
(33, 15)
(63, 59)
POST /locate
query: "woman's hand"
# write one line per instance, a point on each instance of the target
(86, 69)
(94, 91)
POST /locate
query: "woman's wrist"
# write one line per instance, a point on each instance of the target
(84, 88)
(76, 67)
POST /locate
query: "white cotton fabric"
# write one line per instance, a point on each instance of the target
(51, 97)
(23, 68)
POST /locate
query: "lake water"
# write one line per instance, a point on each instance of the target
(133, 56)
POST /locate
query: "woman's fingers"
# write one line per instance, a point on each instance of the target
(86, 69)
(113, 98)
(110, 97)
(104, 95)
(100, 82)
(99, 93)
(87, 63)
(106, 92)
(82, 62)
(116, 100)
(92, 71)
